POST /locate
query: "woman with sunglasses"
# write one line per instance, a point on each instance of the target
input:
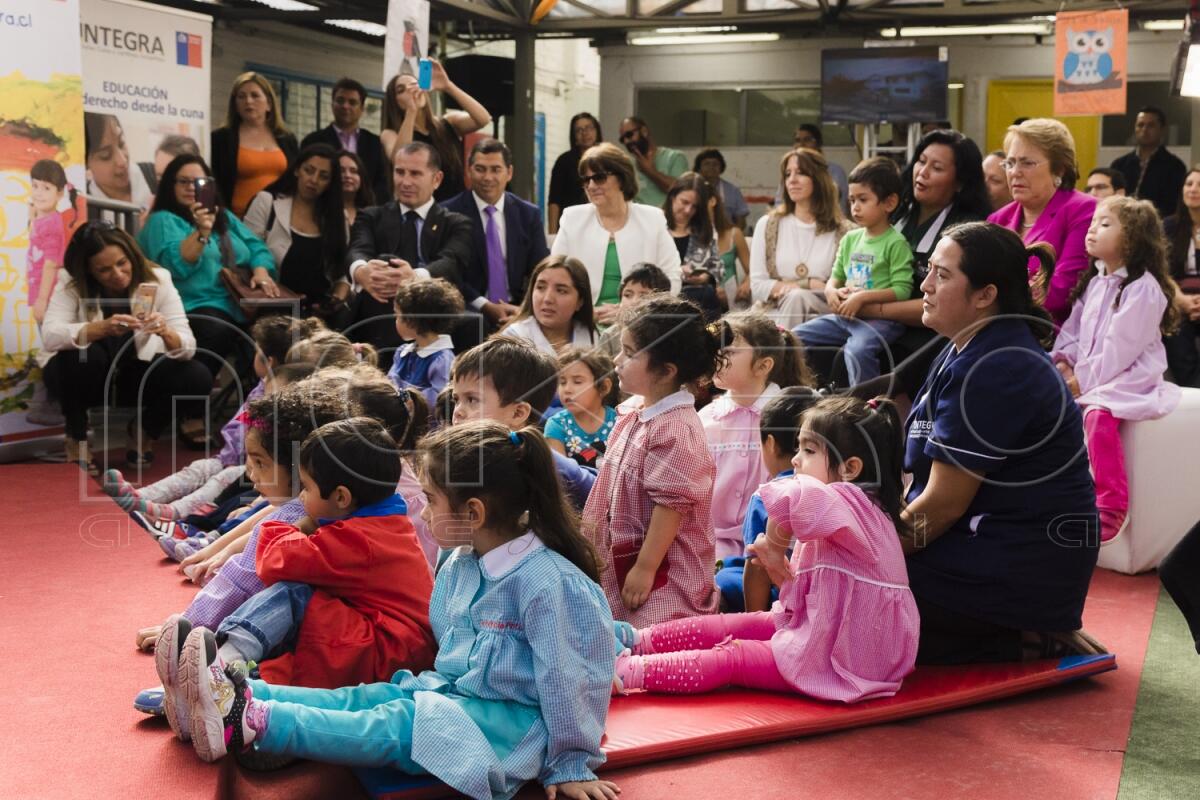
(1046, 207)
(100, 320)
(612, 234)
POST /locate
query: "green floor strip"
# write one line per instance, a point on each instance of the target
(1162, 761)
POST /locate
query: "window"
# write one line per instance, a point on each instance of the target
(1117, 129)
(734, 117)
(307, 102)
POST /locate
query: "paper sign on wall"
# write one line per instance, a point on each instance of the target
(1091, 52)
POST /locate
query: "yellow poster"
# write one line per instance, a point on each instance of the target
(1091, 52)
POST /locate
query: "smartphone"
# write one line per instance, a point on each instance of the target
(389, 257)
(142, 302)
(424, 74)
(206, 193)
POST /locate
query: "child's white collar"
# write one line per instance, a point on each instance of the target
(499, 561)
(443, 342)
(1102, 268)
(672, 401)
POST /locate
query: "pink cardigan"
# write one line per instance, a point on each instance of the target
(1063, 224)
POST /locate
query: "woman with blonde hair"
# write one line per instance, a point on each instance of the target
(254, 147)
(1042, 170)
(408, 117)
(794, 246)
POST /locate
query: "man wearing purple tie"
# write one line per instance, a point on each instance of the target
(509, 239)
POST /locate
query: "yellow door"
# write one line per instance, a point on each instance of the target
(1008, 100)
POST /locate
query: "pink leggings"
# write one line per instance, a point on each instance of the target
(700, 654)
(1103, 433)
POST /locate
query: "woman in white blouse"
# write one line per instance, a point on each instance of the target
(612, 234)
(794, 246)
(556, 313)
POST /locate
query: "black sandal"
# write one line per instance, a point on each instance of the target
(193, 438)
(136, 452)
(1038, 645)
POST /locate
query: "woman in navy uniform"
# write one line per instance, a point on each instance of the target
(1002, 502)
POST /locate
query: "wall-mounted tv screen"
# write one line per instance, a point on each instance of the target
(884, 84)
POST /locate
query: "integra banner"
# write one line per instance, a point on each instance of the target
(147, 75)
(41, 181)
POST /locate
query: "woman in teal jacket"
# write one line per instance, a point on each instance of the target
(193, 243)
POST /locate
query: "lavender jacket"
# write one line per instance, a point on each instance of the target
(1063, 225)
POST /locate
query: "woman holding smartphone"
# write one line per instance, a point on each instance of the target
(115, 312)
(193, 237)
(408, 117)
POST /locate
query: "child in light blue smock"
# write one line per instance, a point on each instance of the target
(520, 688)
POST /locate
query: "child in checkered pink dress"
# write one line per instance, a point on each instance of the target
(649, 513)
(845, 627)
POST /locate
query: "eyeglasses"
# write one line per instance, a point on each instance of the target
(184, 181)
(596, 178)
(1026, 164)
(627, 135)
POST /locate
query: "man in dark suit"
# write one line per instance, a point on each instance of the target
(349, 99)
(419, 238)
(1151, 173)
(509, 239)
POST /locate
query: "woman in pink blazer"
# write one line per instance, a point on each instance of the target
(1041, 168)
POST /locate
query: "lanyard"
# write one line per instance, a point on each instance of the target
(927, 241)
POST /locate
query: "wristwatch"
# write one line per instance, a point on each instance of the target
(203, 239)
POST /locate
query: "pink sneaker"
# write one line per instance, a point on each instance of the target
(219, 706)
(166, 660)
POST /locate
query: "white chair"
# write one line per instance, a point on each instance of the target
(1164, 497)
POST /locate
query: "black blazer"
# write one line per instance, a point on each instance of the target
(524, 237)
(378, 174)
(224, 159)
(445, 240)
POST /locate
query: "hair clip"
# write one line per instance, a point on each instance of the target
(258, 423)
(514, 437)
(873, 404)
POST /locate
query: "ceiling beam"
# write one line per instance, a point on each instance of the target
(481, 11)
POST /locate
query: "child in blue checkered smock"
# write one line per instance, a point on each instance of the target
(520, 688)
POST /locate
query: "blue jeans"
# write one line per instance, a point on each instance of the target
(863, 339)
(369, 725)
(268, 622)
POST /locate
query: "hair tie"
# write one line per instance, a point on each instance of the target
(258, 423)
(873, 404)
(357, 347)
(515, 438)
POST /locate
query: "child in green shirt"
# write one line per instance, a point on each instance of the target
(874, 265)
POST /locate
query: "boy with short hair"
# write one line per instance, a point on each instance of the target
(873, 267)
(744, 584)
(348, 586)
(512, 382)
(642, 281)
(426, 312)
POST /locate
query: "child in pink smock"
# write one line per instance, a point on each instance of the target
(845, 627)
(649, 512)
(1110, 349)
(47, 232)
(759, 360)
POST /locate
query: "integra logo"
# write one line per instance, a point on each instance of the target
(117, 39)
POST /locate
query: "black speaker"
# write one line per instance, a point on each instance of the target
(489, 79)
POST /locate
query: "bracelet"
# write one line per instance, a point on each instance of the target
(201, 238)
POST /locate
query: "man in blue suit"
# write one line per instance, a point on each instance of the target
(509, 239)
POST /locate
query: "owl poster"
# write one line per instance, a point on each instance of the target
(1090, 57)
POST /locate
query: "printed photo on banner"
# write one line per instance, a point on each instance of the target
(41, 203)
(146, 94)
(1091, 51)
(407, 38)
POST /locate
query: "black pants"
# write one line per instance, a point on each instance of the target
(78, 378)
(705, 296)
(948, 637)
(1180, 576)
(218, 337)
(1182, 357)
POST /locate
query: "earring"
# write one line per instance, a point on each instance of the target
(1057, 182)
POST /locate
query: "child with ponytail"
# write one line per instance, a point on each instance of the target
(519, 690)
(1110, 349)
(649, 512)
(845, 627)
(759, 360)
(47, 231)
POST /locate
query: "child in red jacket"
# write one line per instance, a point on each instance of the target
(347, 598)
